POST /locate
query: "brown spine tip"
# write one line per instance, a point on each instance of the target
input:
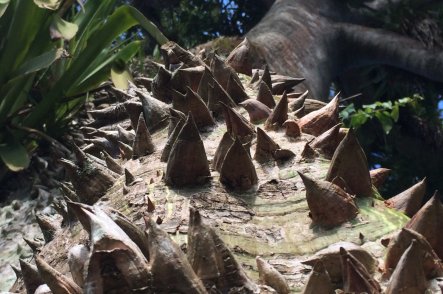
(171, 140)
(198, 108)
(279, 115)
(329, 205)
(142, 144)
(349, 163)
(31, 276)
(266, 77)
(409, 272)
(187, 163)
(33, 244)
(298, 102)
(271, 277)
(111, 163)
(129, 177)
(160, 85)
(235, 89)
(409, 201)
(292, 128)
(125, 150)
(319, 121)
(216, 96)
(133, 108)
(57, 282)
(170, 268)
(258, 112)
(327, 142)
(237, 171)
(211, 259)
(174, 54)
(220, 154)
(155, 112)
(125, 136)
(236, 124)
(266, 147)
(222, 71)
(356, 277)
(308, 152)
(398, 244)
(47, 226)
(319, 281)
(265, 95)
(203, 87)
(379, 176)
(240, 58)
(428, 221)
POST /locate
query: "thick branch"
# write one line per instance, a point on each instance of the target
(367, 46)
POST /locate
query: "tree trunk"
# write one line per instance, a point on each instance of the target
(321, 39)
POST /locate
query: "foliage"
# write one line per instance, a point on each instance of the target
(387, 113)
(52, 54)
(193, 22)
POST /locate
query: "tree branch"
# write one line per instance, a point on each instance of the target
(368, 46)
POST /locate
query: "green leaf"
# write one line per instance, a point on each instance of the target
(14, 155)
(48, 4)
(39, 62)
(3, 5)
(61, 29)
(359, 119)
(120, 75)
(395, 112)
(386, 121)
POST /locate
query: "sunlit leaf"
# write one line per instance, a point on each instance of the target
(48, 4)
(395, 113)
(120, 76)
(386, 121)
(39, 62)
(359, 119)
(61, 29)
(3, 5)
(14, 155)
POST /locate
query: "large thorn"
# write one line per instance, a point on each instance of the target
(111, 163)
(379, 176)
(211, 259)
(329, 205)
(171, 139)
(160, 85)
(203, 87)
(271, 277)
(48, 226)
(222, 71)
(174, 54)
(319, 121)
(327, 142)
(356, 279)
(428, 221)
(258, 112)
(187, 163)
(57, 282)
(266, 147)
(241, 58)
(409, 201)
(170, 268)
(31, 276)
(298, 103)
(331, 259)
(265, 96)
(220, 154)
(133, 107)
(216, 96)
(432, 265)
(125, 136)
(279, 115)
(408, 274)
(237, 171)
(319, 281)
(237, 125)
(186, 77)
(236, 90)
(143, 144)
(155, 112)
(125, 150)
(349, 163)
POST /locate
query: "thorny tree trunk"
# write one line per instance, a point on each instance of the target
(321, 39)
